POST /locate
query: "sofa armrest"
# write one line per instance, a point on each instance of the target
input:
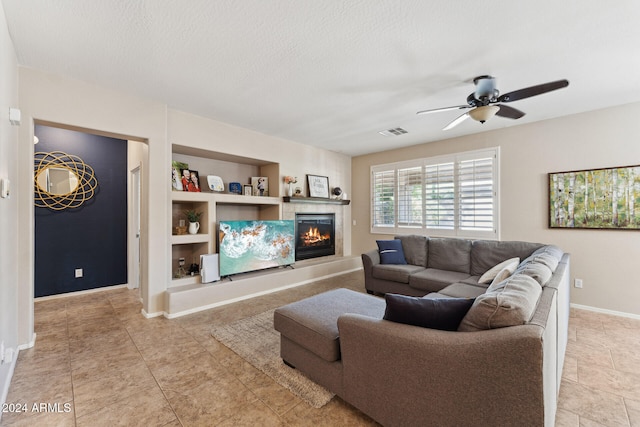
(371, 258)
(407, 375)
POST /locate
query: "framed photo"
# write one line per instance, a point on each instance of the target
(603, 199)
(247, 190)
(190, 180)
(176, 177)
(260, 185)
(318, 186)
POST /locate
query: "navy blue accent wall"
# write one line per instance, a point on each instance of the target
(92, 237)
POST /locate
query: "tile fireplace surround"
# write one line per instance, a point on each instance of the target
(289, 211)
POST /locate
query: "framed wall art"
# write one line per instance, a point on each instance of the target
(603, 199)
(318, 186)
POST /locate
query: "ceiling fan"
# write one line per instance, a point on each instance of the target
(487, 102)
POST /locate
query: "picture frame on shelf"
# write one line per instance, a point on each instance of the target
(318, 186)
(176, 175)
(260, 185)
(190, 180)
(247, 190)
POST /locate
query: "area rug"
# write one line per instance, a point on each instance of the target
(255, 340)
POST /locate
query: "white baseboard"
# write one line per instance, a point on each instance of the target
(76, 293)
(605, 311)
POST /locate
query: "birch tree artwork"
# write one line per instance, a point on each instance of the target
(599, 199)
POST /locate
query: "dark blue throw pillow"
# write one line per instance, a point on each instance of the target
(437, 313)
(391, 252)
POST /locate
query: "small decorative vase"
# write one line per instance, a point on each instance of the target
(290, 191)
(194, 227)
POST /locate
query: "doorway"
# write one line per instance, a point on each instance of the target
(134, 231)
(93, 246)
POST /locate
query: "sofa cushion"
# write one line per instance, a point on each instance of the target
(450, 254)
(487, 253)
(436, 313)
(509, 265)
(508, 303)
(391, 252)
(540, 272)
(463, 290)
(433, 279)
(415, 249)
(395, 272)
(549, 255)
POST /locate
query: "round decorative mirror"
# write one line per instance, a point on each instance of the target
(62, 180)
(57, 181)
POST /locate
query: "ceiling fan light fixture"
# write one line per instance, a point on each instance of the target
(484, 113)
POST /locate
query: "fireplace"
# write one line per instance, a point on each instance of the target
(315, 235)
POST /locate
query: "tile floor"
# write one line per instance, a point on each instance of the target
(110, 366)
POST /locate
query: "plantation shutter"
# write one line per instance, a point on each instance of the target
(440, 196)
(450, 195)
(410, 197)
(383, 198)
(476, 194)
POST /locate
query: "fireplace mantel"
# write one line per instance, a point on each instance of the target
(316, 200)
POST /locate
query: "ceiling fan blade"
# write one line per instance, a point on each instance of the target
(533, 91)
(457, 121)
(439, 110)
(509, 112)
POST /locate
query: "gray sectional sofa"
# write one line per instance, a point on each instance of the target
(502, 366)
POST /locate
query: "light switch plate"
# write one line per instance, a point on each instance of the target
(5, 186)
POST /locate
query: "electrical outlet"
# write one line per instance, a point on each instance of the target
(79, 273)
(577, 283)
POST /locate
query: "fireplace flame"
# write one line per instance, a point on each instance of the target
(314, 236)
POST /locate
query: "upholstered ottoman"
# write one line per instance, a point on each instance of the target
(309, 338)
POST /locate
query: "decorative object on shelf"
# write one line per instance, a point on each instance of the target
(215, 183)
(176, 173)
(290, 180)
(62, 181)
(194, 227)
(235, 187)
(180, 230)
(603, 199)
(298, 192)
(337, 192)
(247, 190)
(318, 186)
(194, 269)
(190, 180)
(194, 220)
(180, 273)
(260, 185)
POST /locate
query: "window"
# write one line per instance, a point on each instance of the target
(453, 195)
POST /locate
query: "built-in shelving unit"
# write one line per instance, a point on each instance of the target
(189, 294)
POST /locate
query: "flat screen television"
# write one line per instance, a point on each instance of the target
(255, 245)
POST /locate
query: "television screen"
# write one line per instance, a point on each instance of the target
(255, 245)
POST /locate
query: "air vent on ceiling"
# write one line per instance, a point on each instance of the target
(393, 132)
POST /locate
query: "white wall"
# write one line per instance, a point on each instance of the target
(605, 260)
(8, 207)
(62, 101)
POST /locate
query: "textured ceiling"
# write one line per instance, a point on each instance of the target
(333, 73)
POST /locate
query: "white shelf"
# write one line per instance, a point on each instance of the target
(184, 239)
(223, 198)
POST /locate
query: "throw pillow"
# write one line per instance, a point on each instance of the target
(504, 274)
(509, 303)
(510, 265)
(437, 313)
(391, 252)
